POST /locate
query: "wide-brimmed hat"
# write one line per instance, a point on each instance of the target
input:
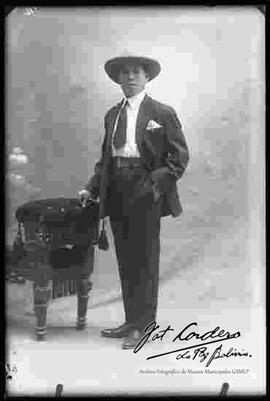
(113, 66)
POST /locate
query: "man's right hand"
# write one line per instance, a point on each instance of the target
(84, 196)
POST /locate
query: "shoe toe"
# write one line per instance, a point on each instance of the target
(119, 332)
(106, 332)
(132, 340)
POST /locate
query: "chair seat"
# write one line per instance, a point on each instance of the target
(64, 220)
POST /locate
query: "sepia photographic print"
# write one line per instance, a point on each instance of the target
(135, 201)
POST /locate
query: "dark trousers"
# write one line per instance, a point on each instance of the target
(135, 222)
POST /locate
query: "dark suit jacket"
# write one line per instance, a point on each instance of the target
(163, 150)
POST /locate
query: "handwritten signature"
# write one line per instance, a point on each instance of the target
(198, 351)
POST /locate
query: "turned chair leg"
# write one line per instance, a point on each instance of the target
(41, 298)
(42, 294)
(83, 288)
(40, 274)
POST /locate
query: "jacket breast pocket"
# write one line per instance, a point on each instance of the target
(155, 131)
(155, 140)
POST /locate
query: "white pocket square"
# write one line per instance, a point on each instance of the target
(152, 124)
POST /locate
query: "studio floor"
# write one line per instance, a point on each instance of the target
(220, 288)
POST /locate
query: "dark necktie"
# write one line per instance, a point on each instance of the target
(120, 132)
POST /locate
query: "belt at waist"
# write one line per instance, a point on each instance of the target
(126, 162)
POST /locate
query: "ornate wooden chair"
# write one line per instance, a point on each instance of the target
(55, 241)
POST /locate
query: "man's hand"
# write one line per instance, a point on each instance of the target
(84, 196)
(158, 174)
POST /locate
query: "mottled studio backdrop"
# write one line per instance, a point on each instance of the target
(212, 73)
(57, 90)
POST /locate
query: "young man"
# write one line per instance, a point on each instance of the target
(144, 153)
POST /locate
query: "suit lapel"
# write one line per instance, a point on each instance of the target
(143, 117)
(111, 125)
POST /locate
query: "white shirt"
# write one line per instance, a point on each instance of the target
(130, 149)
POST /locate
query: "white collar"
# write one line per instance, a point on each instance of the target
(135, 101)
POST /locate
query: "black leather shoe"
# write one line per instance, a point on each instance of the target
(132, 339)
(119, 332)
